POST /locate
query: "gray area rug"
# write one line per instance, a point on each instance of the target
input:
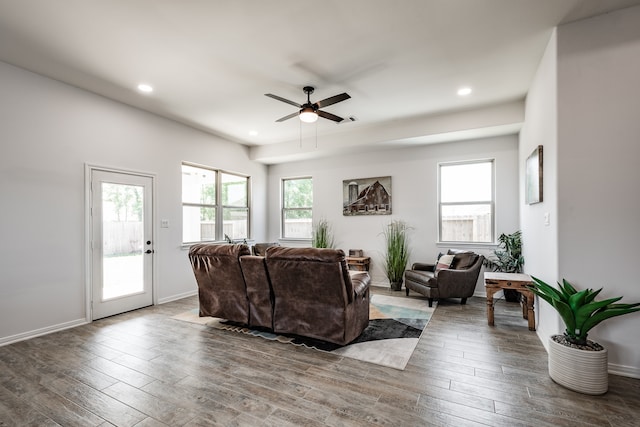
(395, 326)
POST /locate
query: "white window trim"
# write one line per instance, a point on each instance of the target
(219, 207)
(284, 238)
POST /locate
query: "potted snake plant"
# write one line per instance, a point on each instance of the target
(576, 362)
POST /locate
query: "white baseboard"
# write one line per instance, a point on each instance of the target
(43, 331)
(624, 371)
(73, 323)
(178, 296)
(380, 284)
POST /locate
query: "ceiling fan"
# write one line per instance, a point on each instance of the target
(309, 112)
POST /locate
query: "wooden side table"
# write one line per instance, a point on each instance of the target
(493, 282)
(359, 263)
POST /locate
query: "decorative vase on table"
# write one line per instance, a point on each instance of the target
(575, 362)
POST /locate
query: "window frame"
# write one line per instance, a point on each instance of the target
(491, 203)
(218, 206)
(284, 209)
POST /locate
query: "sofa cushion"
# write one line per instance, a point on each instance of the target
(423, 278)
(462, 259)
(444, 262)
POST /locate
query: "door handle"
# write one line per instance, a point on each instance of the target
(149, 251)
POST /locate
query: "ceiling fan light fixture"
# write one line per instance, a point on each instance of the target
(309, 112)
(307, 115)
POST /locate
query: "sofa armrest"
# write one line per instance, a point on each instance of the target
(361, 281)
(423, 266)
(457, 282)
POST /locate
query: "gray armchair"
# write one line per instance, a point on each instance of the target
(457, 281)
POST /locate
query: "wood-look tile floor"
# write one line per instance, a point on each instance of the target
(145, 369)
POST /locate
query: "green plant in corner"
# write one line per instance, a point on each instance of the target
(322, 235)
(579, 309)
(508, 257)
(396, 254)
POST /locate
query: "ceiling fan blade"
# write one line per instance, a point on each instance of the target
(333, 100)
(330, 116)
(290, 116)
(279, 98)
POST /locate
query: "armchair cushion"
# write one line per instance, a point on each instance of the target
(462, 259)
(444, 262)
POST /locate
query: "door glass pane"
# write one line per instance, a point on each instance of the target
(122, 240)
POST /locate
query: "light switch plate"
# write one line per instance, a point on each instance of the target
(164, 223)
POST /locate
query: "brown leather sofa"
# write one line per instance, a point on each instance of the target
(302, 291)
(258, 291)
(260, 249)
(316, 296)
(457, 281)
(220, 281)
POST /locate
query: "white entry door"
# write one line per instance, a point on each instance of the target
(121, 242)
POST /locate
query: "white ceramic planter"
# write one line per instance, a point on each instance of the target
(578, 370)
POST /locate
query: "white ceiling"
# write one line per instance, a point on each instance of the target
(211, 62)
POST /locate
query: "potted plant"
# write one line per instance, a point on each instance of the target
(322, 235)
(396, 254)
(508, 259)
(576, 362)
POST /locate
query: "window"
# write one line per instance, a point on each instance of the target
(214, 204)
(466, 207)
(235, 205)
(297, 203)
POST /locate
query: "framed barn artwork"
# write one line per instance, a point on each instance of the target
(366, 196)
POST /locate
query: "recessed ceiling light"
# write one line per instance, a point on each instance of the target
(464, 91)
(143, 87)
(253, 132)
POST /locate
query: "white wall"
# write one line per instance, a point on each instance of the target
(414, 194)
(598, 172)
(583, 107)
(540, 241)
(48, 132)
